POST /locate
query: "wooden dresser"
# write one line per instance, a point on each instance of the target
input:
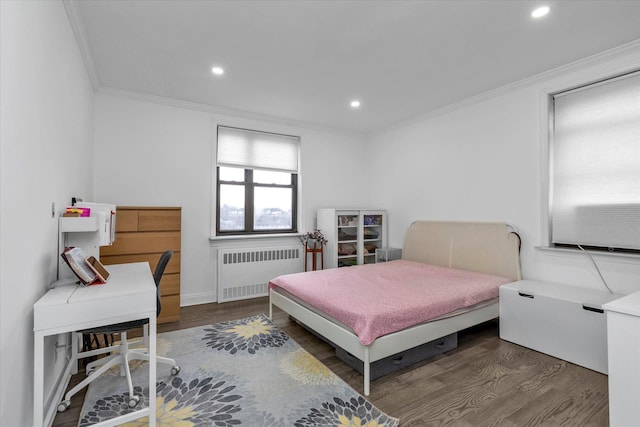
(143, 234)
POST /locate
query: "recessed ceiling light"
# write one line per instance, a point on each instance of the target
(217, 71)
(355, 103)
(540, 12)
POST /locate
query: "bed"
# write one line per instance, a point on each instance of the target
(475, 257)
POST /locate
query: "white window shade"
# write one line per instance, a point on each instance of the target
(596, 165)
(257, 150)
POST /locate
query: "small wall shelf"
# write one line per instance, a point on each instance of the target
(78, 224)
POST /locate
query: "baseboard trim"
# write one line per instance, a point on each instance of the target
(197, 299)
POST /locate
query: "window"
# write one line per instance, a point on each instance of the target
(595, 166)
(257, 182)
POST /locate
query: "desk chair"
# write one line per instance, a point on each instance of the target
(124, 353)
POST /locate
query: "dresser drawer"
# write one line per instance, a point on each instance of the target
(170, 309)
(170, 284)
(126, 221)
(159, 220)
(152, 258)
(137, 243)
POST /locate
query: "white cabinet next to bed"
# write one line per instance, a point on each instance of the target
(353, 235)
(563, 321)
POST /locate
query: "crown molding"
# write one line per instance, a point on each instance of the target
(223, 111)
(77, 25)
(596, 59)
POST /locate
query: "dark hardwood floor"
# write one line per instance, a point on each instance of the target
(484, 382)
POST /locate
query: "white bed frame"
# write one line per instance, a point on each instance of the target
(491, 248)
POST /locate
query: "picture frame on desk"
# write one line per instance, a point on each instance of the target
(101, 272)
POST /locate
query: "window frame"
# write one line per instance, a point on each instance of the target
(250, 186)
(549, 168)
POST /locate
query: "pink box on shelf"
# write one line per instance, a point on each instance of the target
(84, 212)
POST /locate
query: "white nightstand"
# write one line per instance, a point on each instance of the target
(388, 254)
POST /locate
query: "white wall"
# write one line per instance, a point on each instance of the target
(151, 153)
(46, 110)
(485, 160)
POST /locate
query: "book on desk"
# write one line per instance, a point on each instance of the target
(89, 270)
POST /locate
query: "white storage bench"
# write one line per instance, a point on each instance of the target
(563, 321)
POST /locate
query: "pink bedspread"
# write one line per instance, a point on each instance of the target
(377, 299)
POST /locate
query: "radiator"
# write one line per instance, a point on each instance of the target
(245, 272)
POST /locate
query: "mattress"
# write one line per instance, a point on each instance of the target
(378, 299)
(343, 325)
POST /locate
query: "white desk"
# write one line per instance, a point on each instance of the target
(623, 333)
(129, 294)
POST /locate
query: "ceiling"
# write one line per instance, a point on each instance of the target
(304, 61)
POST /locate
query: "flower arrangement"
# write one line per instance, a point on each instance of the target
(315, 236)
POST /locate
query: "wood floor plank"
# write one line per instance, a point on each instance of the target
(484, 382)
(511, 397)
(558, 408)
(409, 387)
(576, 399)
(447, 406)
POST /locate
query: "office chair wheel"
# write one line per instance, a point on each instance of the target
(90, 372)
(175, 369)
(64, 405)
(133, 401)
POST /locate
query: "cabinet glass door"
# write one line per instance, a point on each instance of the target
(347, 240)
(371, 236)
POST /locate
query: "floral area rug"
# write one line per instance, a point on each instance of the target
(243, 372)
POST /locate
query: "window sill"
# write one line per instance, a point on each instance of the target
(253, 237)
(618, 255)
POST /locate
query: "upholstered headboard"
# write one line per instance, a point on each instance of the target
(485, 247)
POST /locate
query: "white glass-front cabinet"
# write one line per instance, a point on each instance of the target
(353, 235)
